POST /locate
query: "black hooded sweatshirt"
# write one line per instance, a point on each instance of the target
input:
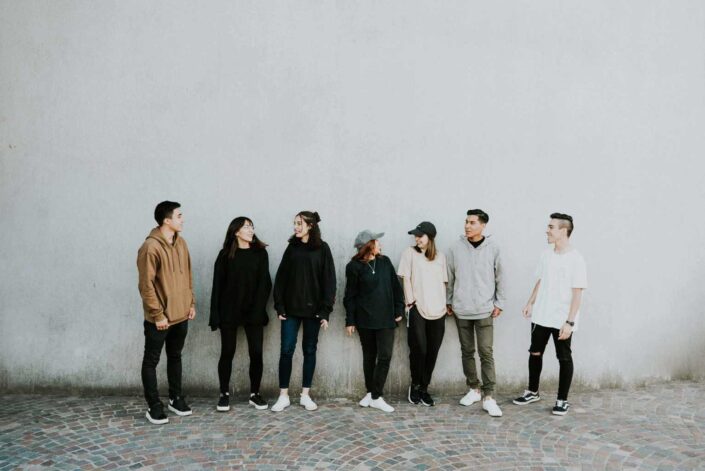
(373, 294)
(241, 287)
(304, 285)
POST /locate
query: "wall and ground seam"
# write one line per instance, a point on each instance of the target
(377, 115)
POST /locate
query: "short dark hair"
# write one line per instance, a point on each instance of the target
(566, 221)
(481, 215)
(164, 210)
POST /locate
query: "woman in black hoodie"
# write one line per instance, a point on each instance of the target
(304, 293)
(241, 287)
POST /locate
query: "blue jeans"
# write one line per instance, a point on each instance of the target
(289, 333)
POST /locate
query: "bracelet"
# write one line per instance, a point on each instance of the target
(570, 323)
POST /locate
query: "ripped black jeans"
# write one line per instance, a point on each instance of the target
(539, 340)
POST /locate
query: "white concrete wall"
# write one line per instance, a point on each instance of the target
(377, 115)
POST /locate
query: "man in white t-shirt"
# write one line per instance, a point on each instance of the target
(554, 309)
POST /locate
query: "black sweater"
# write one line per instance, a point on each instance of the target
(305, 282)
(372, 300)
(241, 287)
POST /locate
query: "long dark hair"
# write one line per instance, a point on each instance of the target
(314, 233)
(230, 244)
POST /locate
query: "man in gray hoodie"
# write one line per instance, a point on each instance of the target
(475, 295)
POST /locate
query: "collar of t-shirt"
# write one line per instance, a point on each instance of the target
(478, 243)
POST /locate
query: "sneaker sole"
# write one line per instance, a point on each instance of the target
(276, 409)
(222, 408)
(264, 407)
(426, 405)
(526, 402)
(492, 415)
(468, 404)
(409, 398)
(157, 421)
(559, 412)
(179, 412)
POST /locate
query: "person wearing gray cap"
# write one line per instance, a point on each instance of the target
(374, 303)
(424, 274)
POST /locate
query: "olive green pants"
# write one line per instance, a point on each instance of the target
(484, 330)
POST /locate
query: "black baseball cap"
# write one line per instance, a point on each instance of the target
(424, 228)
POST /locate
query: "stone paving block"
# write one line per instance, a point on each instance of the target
(617, 429)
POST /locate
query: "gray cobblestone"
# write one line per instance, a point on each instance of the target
(657, 428)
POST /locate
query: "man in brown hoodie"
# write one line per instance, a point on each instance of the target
(166, 287)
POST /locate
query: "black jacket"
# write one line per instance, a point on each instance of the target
(241, 287)
(305, 282)
(372, 300)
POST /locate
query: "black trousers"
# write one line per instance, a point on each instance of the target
(228, 343)
(154, 340)
(425, 338)
(539, 340)
(377, 345)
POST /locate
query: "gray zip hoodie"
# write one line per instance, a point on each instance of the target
(475, 278)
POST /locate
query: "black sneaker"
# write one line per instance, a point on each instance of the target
(156, 415)
(527, 398)
(257, 401)
(223, 403)
(426, 399)
(414, 394)
(179, 407)
(561, 407)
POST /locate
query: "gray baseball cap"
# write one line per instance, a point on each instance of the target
(366, 236)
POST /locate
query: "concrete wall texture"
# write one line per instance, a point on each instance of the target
(376, 114)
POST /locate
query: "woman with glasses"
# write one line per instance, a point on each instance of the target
(241, 287)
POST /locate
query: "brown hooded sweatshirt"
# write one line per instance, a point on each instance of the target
(165, 281)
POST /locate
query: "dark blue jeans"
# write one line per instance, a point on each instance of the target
(290, 332)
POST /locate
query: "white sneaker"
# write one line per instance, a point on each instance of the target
(307, 402)
(281, 404)
(490, 405)
(365, 402)
(380, 404)
(470, 398)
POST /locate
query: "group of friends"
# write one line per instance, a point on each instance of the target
(466, 283)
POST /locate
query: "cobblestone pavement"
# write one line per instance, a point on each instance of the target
(661, 427)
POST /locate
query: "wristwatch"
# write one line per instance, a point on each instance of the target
(570, 323)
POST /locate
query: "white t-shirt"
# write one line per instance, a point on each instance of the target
(559, 274)
(428, 279)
